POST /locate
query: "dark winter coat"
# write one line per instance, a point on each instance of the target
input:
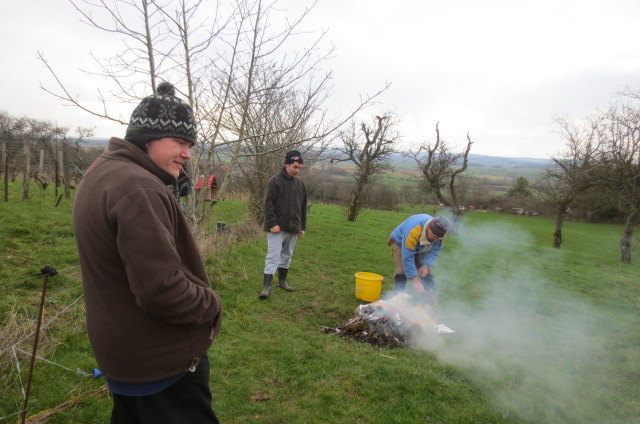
(285, 203)
(151, 312)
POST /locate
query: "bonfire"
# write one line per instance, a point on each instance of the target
(394, 322)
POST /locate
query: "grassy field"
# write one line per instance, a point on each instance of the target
(542, 335)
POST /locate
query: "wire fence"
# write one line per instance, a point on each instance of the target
(63, 318)
(53, 162)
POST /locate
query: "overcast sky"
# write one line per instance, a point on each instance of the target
(499, 69)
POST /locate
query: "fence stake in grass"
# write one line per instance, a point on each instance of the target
(45, 272)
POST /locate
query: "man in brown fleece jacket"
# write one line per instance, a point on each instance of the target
(151, 311)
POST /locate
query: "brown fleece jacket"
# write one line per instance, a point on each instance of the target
(151, 312)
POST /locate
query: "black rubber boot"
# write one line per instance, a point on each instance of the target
(399, 282)
(268, 279)
(282, 279)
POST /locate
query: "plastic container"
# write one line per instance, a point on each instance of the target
(368, 286)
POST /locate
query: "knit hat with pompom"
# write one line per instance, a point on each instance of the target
(161, 115)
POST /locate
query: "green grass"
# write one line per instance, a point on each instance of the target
(543, 335)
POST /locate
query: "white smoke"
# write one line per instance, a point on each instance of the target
(532, 346)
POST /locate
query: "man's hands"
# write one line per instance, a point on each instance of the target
(424, 270)
(417, 286)
(276, 229)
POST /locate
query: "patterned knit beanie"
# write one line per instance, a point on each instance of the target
(439, 226)
(161, 115)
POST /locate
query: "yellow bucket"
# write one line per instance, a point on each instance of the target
(368, 286)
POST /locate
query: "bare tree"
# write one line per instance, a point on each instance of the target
(369, 149)
(71, 146)
(127, 71)
(13, 134)
(252, 93)
(29, 147)
(161, 40)
(573, 171)
(440, 167)
(278, 103)
(269, 111)
(620, 158)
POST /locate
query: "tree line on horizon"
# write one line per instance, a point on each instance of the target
(258, 85)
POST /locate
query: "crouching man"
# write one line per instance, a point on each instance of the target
(416, 244)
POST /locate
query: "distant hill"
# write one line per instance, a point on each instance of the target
(95, 141)
(475, 161)
(489, 161)
(497, 161)
(488, 166)
(496, 172)
(496, 166)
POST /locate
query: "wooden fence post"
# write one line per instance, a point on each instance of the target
(66, 174)
(27, 170)
(41, 168)
(3, 152)
(5, 163)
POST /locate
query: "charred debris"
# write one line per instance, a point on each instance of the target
(390, 323)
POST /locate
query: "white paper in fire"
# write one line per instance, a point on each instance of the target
(443, 329)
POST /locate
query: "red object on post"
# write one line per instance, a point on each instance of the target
(212, 188)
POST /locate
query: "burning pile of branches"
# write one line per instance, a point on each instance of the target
(392, 323)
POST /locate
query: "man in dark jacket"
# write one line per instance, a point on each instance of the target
(285, 219)
(151, 312)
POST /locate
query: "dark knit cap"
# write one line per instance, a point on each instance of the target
(439, 226)
(293, 156)
(161, 115)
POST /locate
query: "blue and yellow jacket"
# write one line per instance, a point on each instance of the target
(408, 235)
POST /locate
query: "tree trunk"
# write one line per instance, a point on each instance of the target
(354, 207)
(561, 212)
(627, 237)
(456, 219)
(356, 200)
(557, 234)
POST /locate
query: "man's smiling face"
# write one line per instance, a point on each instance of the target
(170, 153)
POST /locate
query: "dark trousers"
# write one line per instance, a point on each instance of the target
(186, 401)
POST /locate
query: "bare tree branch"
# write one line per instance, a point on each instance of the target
(437, 164)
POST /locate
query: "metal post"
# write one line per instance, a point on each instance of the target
(45, 272)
